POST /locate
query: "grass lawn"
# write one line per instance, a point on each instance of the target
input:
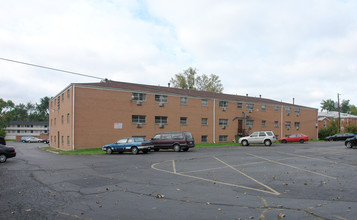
(91, 151)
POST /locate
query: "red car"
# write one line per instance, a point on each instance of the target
(294, 138)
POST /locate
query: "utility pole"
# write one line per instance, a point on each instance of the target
(339, 113)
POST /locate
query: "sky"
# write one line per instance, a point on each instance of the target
(304, 50)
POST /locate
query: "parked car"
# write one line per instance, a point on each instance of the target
(294, 138)
(258, 137)
(46, 141)
(32, 140)
(173, 140)
(350, 142)
(23, 139)
(130, 144)
(339, 137)
(6, 152)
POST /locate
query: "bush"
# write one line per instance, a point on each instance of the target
(324, 132)
(351, 129)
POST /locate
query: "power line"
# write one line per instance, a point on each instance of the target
(50, 68)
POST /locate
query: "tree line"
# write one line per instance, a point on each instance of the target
(345, 106)
(22, 112)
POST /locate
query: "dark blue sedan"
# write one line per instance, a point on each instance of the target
(130, 144)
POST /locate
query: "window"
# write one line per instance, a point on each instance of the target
(287, 125)
(276, 108)
(239, 105)
(204, 121)
(135, 119)
(204, 139)
(325, 124)
(68, 93)
(250, 106)
(263, 123)
(62, 119)
(223, 138)
(62, 140)
(138, 96)
(58, 103)
(297, 125)
(276, 124)
(67, 140)
(264, 108)
(183, 120)
(287, 110)
(223, 104)
(262, 134)
(68, 118)
(161, 98)
(297, 111)
(183, 101)
(160, 120)
(62, 97)
(204, 102)
(223, 122)
(250, 124)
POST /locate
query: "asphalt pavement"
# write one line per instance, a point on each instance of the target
(314, 180)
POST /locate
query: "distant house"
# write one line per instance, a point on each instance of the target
(325, 118)
(18, 129)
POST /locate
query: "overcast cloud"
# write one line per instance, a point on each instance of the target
(279, 49)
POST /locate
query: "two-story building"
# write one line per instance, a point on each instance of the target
(17, 129)
(325, 118)
(89, 115)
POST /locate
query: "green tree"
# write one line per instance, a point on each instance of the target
(209, 84)
(328, 105)
(189, 80)
(353, 110)
(351, 129)
(5, 106)
(345, 106)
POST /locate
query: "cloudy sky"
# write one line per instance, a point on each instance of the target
(280, 49)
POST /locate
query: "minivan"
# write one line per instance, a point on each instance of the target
(173, 140)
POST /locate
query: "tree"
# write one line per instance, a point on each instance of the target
(328, 105)
(188, 80)
(345, 106)
(353, 110)
(210, 84)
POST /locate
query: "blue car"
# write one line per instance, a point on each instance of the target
(130, 144)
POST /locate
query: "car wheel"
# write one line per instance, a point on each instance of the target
(284, 141)
(330, 139)
(301, 141)
(2, 158)
(349, 145)
(177, 148)
(109, 150)
(134, 150)
(267, 142)
(245, 143)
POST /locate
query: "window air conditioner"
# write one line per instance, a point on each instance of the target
(139, 125)
(139, 102)
(161, 104)
(161, 125)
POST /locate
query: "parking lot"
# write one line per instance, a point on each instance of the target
(291, 181)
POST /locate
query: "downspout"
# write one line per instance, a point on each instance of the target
(73, 117)
(214, 120)
(281, 121)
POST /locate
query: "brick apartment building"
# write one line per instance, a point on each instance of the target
(89, 115)
(325, 118)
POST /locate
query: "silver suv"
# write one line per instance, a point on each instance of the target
(258, 137)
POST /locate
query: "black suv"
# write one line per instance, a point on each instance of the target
(173, 140)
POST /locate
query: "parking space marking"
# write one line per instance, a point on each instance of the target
(249, 177)
(269, 190)
(288, 165)
(314, 158)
